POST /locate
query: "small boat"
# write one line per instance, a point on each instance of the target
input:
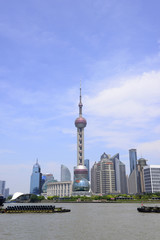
(147, 209)
(33, 209)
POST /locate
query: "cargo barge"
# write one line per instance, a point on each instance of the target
(33, 209)
(146, 209)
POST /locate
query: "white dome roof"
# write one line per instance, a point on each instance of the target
(16, 195)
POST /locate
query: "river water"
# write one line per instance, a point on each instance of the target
(86, 221)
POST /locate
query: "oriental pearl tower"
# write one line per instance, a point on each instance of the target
(80, 183)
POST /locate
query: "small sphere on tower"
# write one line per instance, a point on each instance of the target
(80, 122)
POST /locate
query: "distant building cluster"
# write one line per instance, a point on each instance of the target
(46, 185)
(107, 176)
(3, 190)
(143, 178)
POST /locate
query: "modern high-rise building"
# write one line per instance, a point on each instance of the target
(120, 174)
(152, 178)
(86, 164)
(116, 162)
(2, 187)
(123, 178)
(6, 194)
(132, 159)
(103, 176)
(94, 181)
(80, 183)
(141, 164)
(65, 174)
(36, 178)
(133, 186)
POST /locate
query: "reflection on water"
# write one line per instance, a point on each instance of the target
(86, 221)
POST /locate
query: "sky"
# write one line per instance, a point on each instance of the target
(46, 48)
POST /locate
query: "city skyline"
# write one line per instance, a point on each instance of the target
(46, 48)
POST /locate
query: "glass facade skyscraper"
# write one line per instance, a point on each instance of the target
(132, 159)
(36, 178)
(2, 187)
(86, 164)
(152, 178)
(65, 174)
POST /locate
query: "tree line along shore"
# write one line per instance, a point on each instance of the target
(98, 198)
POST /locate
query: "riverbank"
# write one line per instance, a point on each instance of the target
(98, 201)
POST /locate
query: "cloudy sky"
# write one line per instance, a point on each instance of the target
(46, 47)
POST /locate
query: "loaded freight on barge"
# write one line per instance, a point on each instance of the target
(33, 209)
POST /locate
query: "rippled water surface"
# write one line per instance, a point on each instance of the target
(86, 221)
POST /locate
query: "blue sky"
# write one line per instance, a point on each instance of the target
(46, 47)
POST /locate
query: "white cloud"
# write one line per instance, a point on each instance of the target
(135, 97)
(125, 115)
(150, 151)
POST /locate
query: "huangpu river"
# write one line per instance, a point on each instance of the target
(86, 221)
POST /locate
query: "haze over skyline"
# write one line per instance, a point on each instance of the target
(46, 48)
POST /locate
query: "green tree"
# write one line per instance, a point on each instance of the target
(9, 197)
(40, 198)
(34, 198)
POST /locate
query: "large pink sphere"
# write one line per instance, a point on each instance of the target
(80, 171)
(80, 122)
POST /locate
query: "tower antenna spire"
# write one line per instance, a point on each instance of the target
(80, 101)
(80, 89)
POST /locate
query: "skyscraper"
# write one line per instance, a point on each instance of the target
(65, 174)
(81, 183)
(103, 176)
(36, 177)
(86, 164)
(133, 183)
(132, 159)
(120, 174)
(6, 192)
(141, 164)
(2, 187)
(123, 178)
(116, 162)
(152, 178)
